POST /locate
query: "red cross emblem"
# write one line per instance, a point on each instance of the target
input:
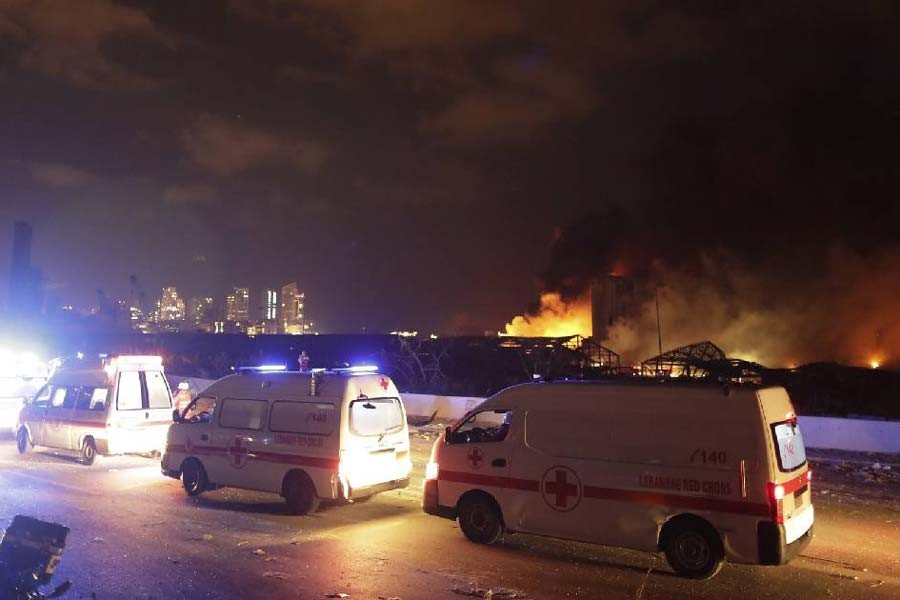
(476, 456)
(383, 383)
(188, 445)
(790, 447)
(561, 488)
(238, 453)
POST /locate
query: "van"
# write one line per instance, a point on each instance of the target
(121, 407)
(703, 473)
(335, 435)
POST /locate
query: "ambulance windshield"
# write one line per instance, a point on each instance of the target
(789, 445)
(375, 416)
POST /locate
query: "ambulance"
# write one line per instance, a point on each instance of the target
(336, 435)
(703, 473)
(124, 406)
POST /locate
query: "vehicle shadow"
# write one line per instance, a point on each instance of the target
(629, 561)
(259, 503)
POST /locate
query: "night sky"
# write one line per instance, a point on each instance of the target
(435, 165)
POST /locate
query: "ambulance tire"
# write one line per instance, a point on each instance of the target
(193, 477)
(693, 548)
(88, 452)
(22, 441)
(300, 493)
(480, 518)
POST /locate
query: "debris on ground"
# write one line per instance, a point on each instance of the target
(97, 540)
(208, 537)
(337, 595)
(473, 591)
(276, 575)
(260, 552)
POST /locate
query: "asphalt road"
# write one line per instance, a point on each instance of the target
(136, 535)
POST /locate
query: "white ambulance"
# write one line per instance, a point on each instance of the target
(121, 407)
(309, 435)
(700, 472)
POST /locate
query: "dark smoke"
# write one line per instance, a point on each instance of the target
(772, 190)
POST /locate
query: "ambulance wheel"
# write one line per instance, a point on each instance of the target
(300, 494)
(22, 442)
(480, 519)
(193, 477)
(88, 452)
(693, 548)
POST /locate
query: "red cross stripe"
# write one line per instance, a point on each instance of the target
(558, 485)
(476, 456)
(383, 383)
(238, 453)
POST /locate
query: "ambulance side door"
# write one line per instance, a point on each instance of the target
(34, 413)
(559, 454)
(239, 436)
(477, 458)
(58, 422)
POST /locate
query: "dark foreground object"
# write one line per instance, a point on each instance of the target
(29, 554)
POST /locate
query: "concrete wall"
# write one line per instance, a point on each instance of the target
(859, 435)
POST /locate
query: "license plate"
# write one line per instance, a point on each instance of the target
(798, 496)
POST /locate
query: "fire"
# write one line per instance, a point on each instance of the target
(555, 318)
(874, 363)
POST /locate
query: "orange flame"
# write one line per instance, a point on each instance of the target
(555, 318)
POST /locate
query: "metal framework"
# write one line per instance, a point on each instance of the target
(692, 360)
(483, 365)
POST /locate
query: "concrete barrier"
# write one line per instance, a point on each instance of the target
(860, 435)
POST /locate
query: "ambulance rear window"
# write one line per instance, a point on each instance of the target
(375, 416)
(789, 445)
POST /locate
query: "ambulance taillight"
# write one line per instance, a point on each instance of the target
(776, 502)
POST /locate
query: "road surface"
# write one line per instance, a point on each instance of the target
(136, 535)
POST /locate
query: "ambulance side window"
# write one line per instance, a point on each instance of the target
(90, 398)
(58, 399)
(483, 426)
(42, 400)
(302, 417)
(243, 414)
(200, 410)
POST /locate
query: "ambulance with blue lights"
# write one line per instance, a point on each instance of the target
(703, 473)
(123, 406)
(21, 376)
(332, 435)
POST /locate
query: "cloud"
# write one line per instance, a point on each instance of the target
(189, 194)
(226, 147)
(61, 176)
(64, 40)
(526, 97)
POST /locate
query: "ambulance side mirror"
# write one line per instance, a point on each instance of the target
(447, 435)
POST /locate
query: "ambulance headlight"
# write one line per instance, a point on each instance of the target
(431, 471)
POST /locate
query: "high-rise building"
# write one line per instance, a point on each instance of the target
(292, 300)
(25, 281)
(237, 305)
(270, 309)
(200, 312)
(171, 307)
